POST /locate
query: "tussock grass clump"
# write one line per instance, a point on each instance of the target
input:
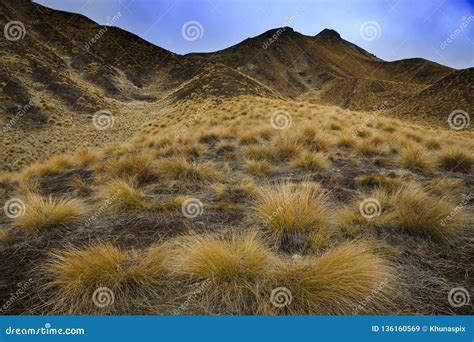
(235, 192)
(120, 194)
(55, 165)
(259, 167)
(179, 169)
(135, 167)
(6, 179)
(314, 139)
(419, 213)
(363, 133)
(226, 147)
(346, 139)
(102, 273)
(80, 184)
(456, 159)
(367, 212)
(266, 133)
(232, 269)
(290, 210)
(443, 185)
(433, 144)
(209, 138)
(416, 158)
(248, 138)
(86, 157)
(311, 161)
(41, 212)
(409, 209)
(336, 283)
(258, 152)
(413, 136)
(285, 147)
(377, 180)
(367, 147)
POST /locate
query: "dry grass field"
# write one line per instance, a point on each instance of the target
(226, 196)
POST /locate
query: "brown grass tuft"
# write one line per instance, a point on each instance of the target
(41, 212)
(180, 169)
(259, 167)
(75, 274)
(311, 161)
(419, 213)
(290, 211)
(416, 158)
(119, 194)
(336, 283)
(135, 167)
(231, 269)
(456, 159)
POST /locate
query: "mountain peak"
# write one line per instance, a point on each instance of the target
(329, 34)
(280, 31)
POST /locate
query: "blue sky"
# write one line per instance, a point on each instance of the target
(438, 30)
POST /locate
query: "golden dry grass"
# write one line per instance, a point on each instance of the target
(285, 147)
(74, 275)
(236, 191)
(179, 169)
(419, 213)
(135, 167)
(251, 176)
(55, 165)
(456, 159)
(292, 208)
(346, 280)
(416, 158)
(86, 157)
(233, 268)
(311, 161)
(258, 152)
(119, 194)
(42, 212)
(259, 167)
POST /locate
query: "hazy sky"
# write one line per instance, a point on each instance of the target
(439, 30)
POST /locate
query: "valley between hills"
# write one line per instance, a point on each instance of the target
(285, 175)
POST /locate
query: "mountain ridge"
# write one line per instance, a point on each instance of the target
(60, 65)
